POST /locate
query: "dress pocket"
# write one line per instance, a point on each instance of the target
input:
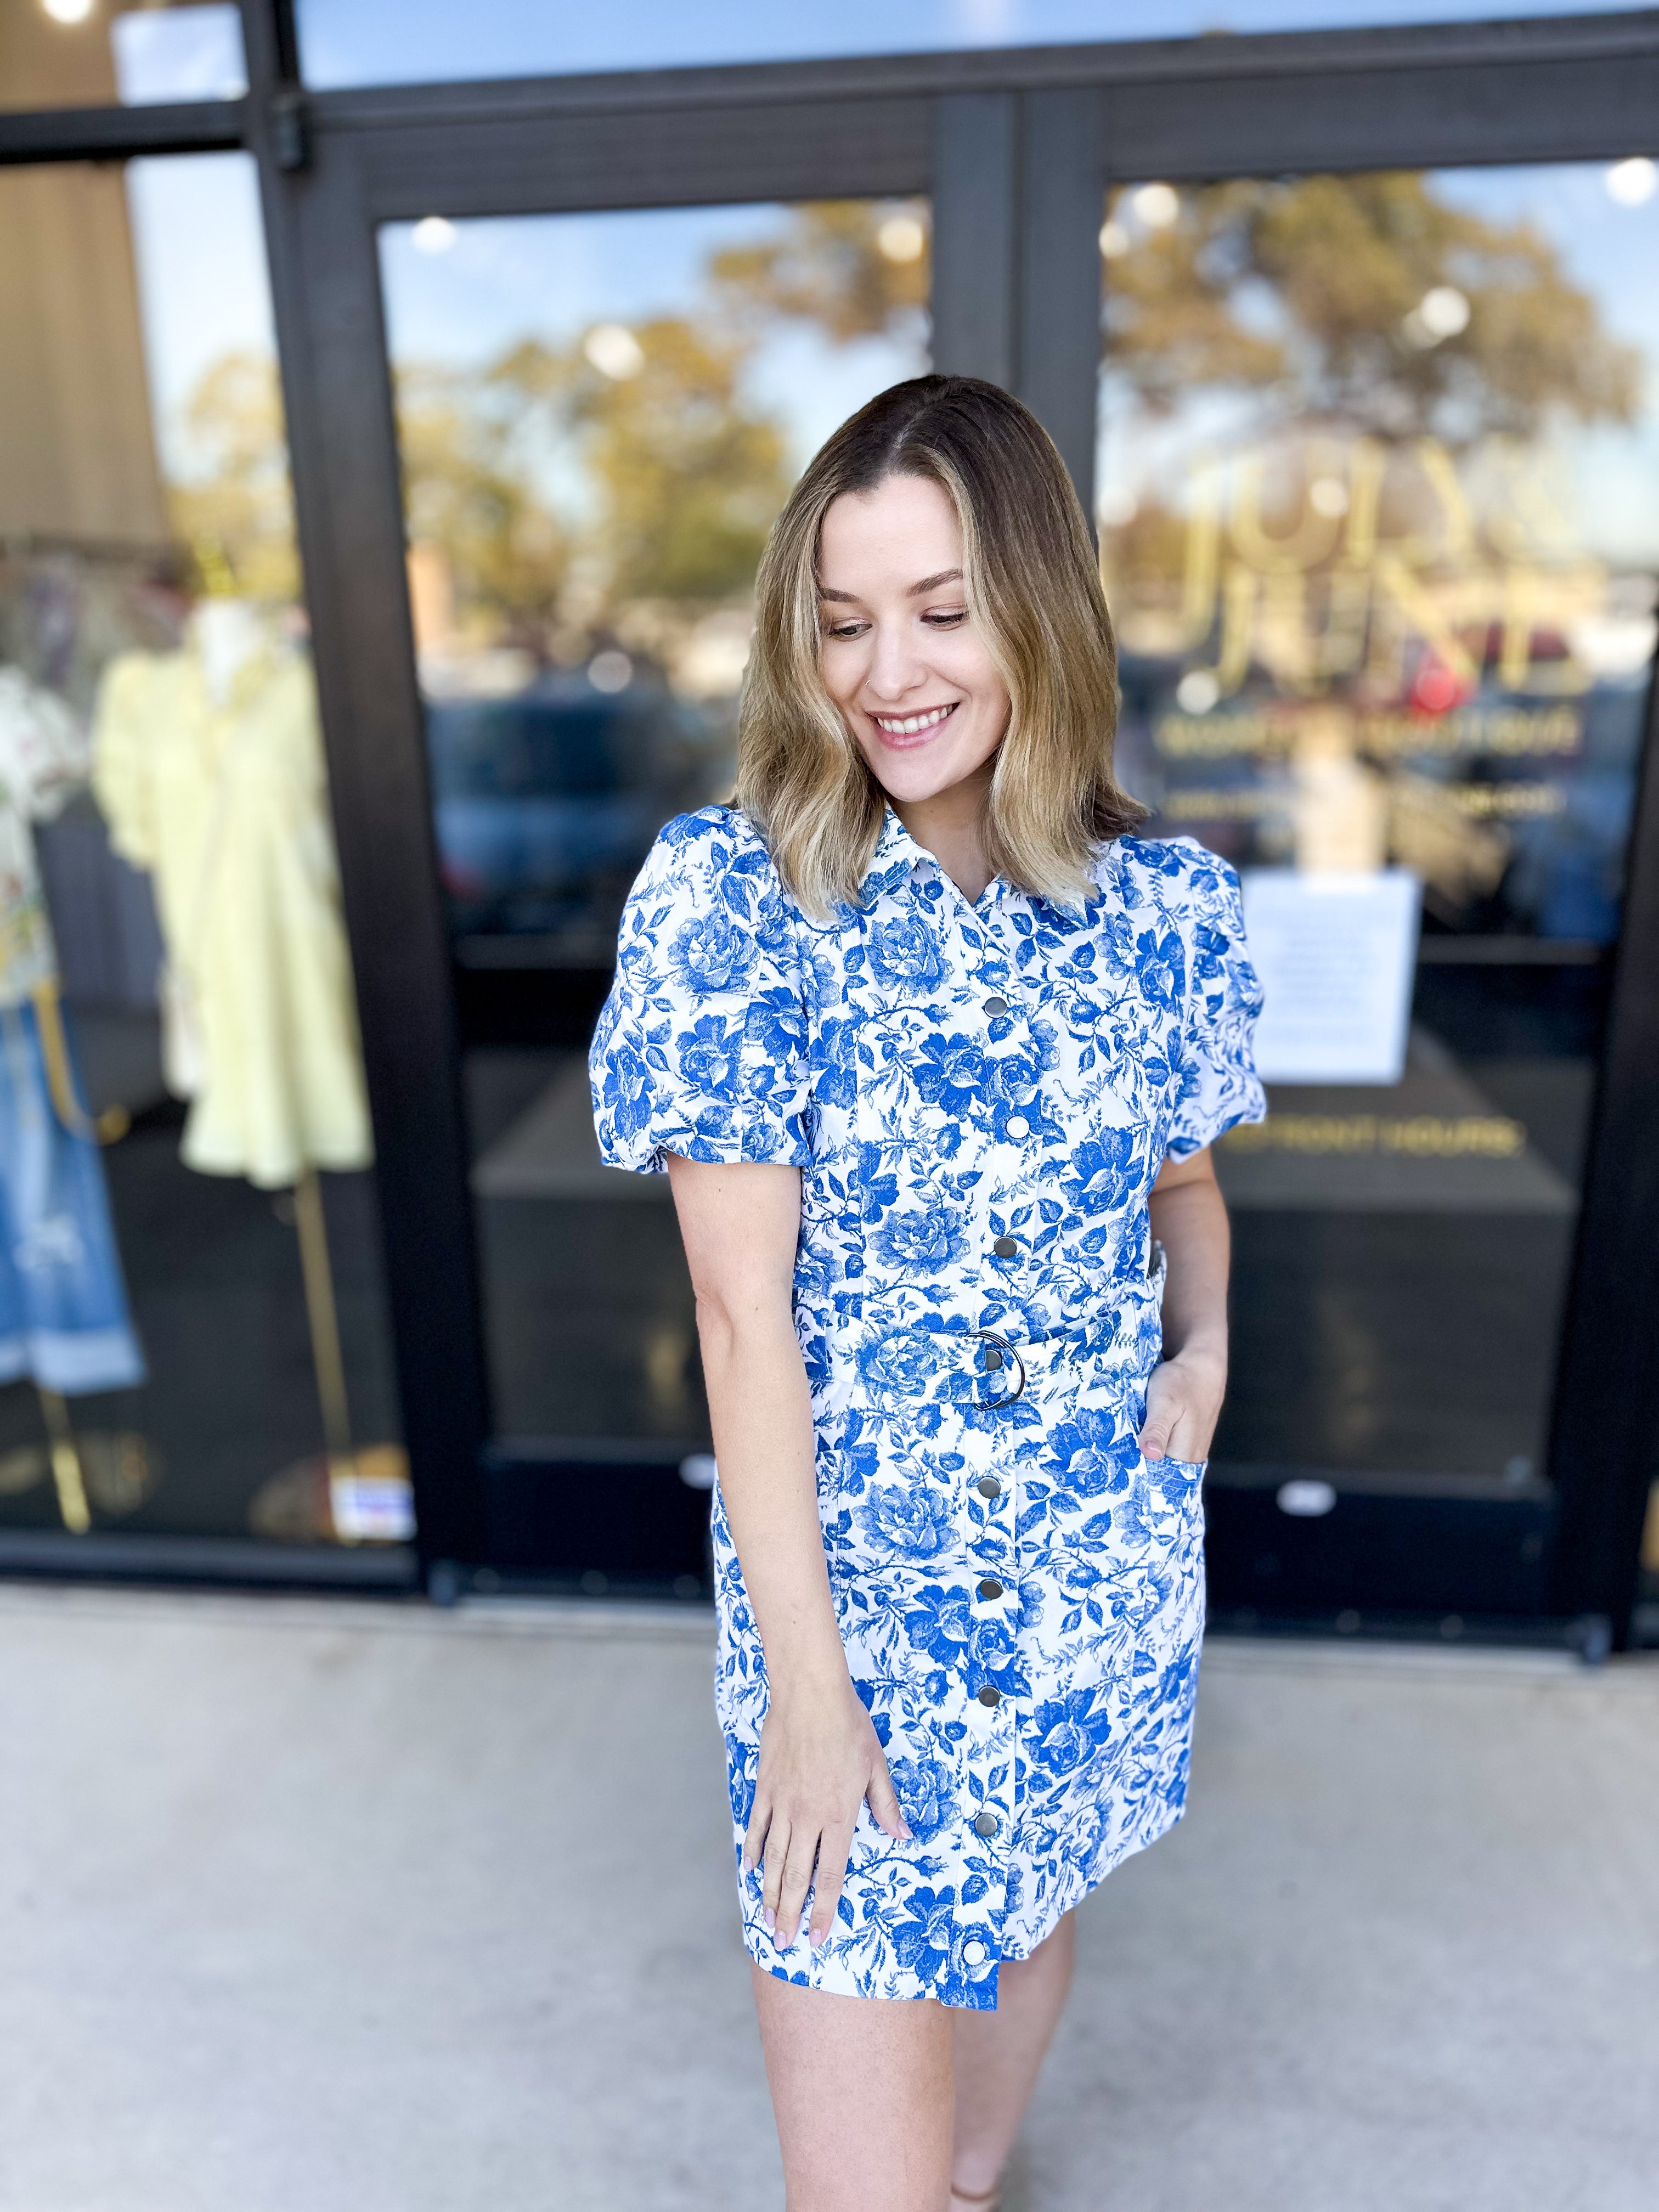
(1170, 1494)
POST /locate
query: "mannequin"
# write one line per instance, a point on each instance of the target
(208, 766)
(226, 635)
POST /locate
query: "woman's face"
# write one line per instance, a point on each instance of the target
(899, 653)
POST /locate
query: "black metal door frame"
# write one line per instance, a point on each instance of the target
(1016, 150)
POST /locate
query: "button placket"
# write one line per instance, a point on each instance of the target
(994, 1747)
(993, 1548)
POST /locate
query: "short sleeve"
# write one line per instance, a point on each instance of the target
(1218, 1084)
(701, 1048)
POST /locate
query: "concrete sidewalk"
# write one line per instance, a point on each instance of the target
(322, 1907)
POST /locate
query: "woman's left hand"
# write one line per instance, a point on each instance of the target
(1183, 1403)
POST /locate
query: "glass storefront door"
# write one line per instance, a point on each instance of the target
(1376, 465)
(598, 415)
(192, 1332)
(1379, 519)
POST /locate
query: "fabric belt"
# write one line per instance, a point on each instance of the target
(914, 1363)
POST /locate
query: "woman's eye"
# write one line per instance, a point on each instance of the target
(844, 629)
(947, 619)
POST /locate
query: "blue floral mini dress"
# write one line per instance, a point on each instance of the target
(978, 1095)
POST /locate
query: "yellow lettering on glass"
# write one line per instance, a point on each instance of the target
(1316, 559)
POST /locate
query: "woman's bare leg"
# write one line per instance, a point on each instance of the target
(862, 2088)
(998, 2055)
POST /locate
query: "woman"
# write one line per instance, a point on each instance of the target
(933, 1051)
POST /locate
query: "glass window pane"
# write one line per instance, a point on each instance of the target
(1379, 512)
(599, 417)
(90, 54)
(190, 1313)
(395, 41)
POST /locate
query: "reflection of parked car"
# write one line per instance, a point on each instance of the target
(547, 802)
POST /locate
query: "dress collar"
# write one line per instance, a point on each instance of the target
(895, 855)
(895, 860)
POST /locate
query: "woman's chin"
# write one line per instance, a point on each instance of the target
(911, 779)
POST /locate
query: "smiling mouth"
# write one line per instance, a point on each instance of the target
(913, 725)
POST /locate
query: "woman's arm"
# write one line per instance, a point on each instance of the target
(1183, 1397)
(819, 1754)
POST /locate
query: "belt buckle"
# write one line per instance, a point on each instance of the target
(995, 1337)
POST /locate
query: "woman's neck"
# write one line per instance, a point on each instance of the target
(951, 825)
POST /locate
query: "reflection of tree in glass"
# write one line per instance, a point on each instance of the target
(1340, 538)
(689, 476)
(233, 501)
(680, 469)
(854, 268)
(1366, 299)
(619, 484)
(467, 487)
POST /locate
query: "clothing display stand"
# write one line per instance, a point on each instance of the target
(323, 1317)
(113, 1471)
(351, 1492)
(208, 767)
(67, 1471)
(119, 1470)
(67, 1328)
(230, 635)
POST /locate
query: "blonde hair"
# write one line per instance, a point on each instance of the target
(1033, 594)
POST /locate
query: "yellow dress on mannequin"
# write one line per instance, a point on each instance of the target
(223, 798)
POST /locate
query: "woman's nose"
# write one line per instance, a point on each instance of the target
(895, 666)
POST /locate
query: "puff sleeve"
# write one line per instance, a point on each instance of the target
(1218, 1086)
(701, 1048)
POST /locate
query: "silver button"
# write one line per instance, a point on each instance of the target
(988, 1486)
(990, 1588)
(993, 1356)
(973, 1954)
(1018, 1126)
(986, 1824)
(995, 1005)
(1004, 1246)
(990, 1695)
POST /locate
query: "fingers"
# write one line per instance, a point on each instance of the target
(883, 1801)
(754, 1835)
(777, 1852)
(808, 1855)
(796, 1881)
(834, 1845)
(1156, 1431)
(1166, 1409)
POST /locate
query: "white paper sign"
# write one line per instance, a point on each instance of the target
(1336, 956)
(372, 1509)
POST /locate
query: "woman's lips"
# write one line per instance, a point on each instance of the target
(902, 731)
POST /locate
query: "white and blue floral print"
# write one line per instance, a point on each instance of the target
(978, 1095)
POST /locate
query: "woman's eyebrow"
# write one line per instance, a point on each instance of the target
(927, 583)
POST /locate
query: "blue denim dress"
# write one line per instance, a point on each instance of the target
(978, 1095)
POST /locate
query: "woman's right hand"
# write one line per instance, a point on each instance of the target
(820, 1760)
